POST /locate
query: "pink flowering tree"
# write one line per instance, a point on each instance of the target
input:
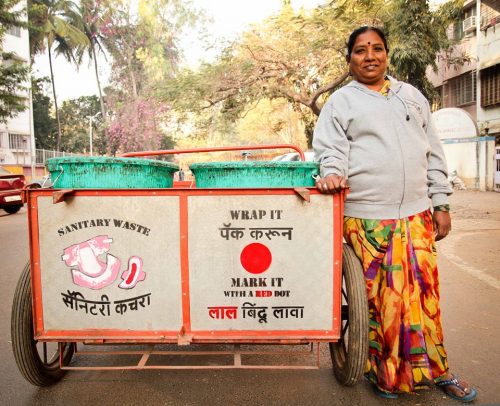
(136, 126)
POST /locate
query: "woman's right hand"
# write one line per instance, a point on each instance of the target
(331, 184)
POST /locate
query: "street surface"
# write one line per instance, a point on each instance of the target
(470, 289)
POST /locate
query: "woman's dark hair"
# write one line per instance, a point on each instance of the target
(358, 31)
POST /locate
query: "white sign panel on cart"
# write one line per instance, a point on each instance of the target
(260, 263)
(110, 263)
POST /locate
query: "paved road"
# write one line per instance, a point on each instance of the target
(470, 286)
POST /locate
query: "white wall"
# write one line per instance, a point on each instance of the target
(473, 161)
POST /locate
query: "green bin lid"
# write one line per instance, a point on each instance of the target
(82, 172)
(255, 174)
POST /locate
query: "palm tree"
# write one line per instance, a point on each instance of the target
(52, 27)
(88, 19)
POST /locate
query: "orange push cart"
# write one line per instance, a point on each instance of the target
(186, 267)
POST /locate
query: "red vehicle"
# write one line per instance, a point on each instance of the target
(10, 191)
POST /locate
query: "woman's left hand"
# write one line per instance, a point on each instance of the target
(442, 224)
(331, 184)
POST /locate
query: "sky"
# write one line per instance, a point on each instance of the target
(230, 17)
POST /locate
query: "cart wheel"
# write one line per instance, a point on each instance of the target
(349, 354)
(37, 362)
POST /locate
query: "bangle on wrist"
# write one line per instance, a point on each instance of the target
(442, 207)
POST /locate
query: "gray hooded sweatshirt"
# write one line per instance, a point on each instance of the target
(387, 148)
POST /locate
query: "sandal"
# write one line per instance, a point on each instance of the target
(383, 394)
(445, 383)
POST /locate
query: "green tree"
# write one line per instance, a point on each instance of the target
(9, 16)
(44, 124)
(145, 52)
(416, 36)
(300, 57)
(52, 29)
(89, 17)
(13, 72)
(296, 56)
(75, 120)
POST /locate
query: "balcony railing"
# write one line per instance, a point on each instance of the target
(42, 155)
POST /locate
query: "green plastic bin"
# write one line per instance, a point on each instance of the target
(255, 174)
(110, 173)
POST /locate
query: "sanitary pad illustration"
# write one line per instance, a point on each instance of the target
(133, 274)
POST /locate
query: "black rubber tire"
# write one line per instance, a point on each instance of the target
(349, 354)
(13, 209)
(24, 346)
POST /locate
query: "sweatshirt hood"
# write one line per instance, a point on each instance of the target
(394, 89)
(395, 85)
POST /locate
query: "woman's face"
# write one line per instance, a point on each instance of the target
(368, 60)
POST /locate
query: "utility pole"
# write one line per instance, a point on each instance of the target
(478, 92)
(90, 134)
(90, 131)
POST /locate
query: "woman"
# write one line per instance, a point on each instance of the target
(376, 137)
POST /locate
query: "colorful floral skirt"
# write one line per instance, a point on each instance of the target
(399, 261)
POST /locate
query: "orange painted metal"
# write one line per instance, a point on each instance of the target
(338, 215)
(184, 241)
(236, 353)
(186, 335)
(214, 149)
(36, 280)
(188, 184)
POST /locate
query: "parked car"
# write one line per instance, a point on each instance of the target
(10, 191)
(294, 156)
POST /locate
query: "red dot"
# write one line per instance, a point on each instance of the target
(256, 258)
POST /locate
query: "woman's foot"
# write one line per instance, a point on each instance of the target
(456, 388)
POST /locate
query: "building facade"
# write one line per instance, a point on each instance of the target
(468, 78)
(17, 141)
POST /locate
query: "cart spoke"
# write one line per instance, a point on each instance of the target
(45, 353)
(344, 294)
(343, 352)
(344, 329)
(344, 312)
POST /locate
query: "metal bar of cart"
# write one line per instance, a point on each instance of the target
(237, 360)
(214, 149)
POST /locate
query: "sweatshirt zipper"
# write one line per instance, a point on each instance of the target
(402, 162)
(399, 142)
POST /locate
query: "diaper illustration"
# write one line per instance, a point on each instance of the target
(89, 271)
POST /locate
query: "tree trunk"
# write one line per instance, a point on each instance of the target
(58, 144)
(309, 136)
(129, 52)
(133, 81)
(101, 99)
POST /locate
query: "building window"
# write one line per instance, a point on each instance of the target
(490, 86)
(18, 141)
(490, 13)
(15, 31)
(466, 25)
(463, 89)
(458, 31)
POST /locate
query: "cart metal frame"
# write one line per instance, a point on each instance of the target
(347, 337)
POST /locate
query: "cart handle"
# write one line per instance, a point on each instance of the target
(213, 149)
